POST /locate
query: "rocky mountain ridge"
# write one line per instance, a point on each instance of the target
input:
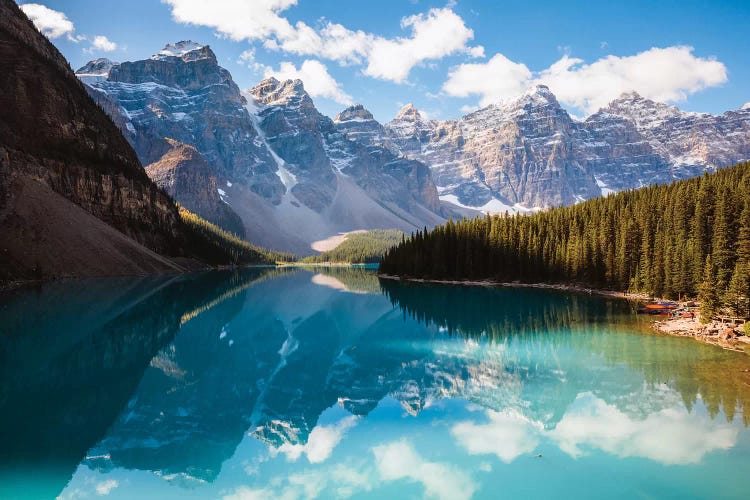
(529, 153)
(288, 172)
(74, 199)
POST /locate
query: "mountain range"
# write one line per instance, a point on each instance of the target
(75, 199)
(529, 153)
(293, 176)
(289, 173)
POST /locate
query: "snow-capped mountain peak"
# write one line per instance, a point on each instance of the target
(98, 69)
(271, 91)
(746, 106)
(357, 112)
(178, 49)
(409, 113)
(538, 94)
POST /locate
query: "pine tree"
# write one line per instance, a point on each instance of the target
(708, 293)
(738, 295)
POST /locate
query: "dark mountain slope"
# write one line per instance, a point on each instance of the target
(74, 198)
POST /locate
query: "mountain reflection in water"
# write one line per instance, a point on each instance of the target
(326, 382)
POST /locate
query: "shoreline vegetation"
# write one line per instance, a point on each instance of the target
(714, 332)
(690, 238)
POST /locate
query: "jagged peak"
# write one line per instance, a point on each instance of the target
(537, 94)
(187, 50)
(631, 95)
(96, 67)
(409, 113)
(271, 90)
(356, 112)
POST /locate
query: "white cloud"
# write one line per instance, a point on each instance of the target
(236, 19)
(343, 481)
(105, 487)
(663, 74)
(52, 23)
(320, 443)
(668, 74)
(499, 78)
(439, 33)
(433, 35)
(507, 435)
(398, 460)
(669, 436)
(102, 43)
(314, 74)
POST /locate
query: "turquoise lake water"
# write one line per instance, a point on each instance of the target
(326, 383)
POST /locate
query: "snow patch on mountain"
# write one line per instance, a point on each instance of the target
(287, 178)
(494, 206)
(178, 49)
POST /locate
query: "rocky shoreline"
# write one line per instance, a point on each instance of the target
(714, 333)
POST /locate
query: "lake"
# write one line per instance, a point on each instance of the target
(326, 383)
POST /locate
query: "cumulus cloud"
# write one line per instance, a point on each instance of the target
(497, 79)
(321, 442)
(105, 487)
(507, 435)
(669, 436)
(438, 33)
(314, 74)
(102, 43)
(399, 460)
(52, 23)
(433, 35)
(667, 74)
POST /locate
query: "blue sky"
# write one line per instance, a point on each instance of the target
(445, 57)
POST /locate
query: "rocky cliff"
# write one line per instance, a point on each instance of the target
(289, 172)
(186, 176)
(528, 152)
(74, 198)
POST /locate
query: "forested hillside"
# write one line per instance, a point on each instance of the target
(361, 248)
(689, 238)
(216, 246)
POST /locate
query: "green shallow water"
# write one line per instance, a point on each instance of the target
(326, 383)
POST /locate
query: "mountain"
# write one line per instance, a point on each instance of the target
(528, 152)
(185, 175)
(74, 199)
(689, 143)
(290, 174)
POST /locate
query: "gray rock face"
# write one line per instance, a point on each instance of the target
(318, 151)
(184, 174)
(689, 143)
(182, 93)
(528, 152)
(291, 174)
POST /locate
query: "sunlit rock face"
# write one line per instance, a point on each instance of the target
(688, 143)
(183, 94)
(529, 152)
(291, 174)
(186, 176)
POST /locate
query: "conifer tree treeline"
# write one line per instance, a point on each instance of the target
(219, 247)
(671, 240)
